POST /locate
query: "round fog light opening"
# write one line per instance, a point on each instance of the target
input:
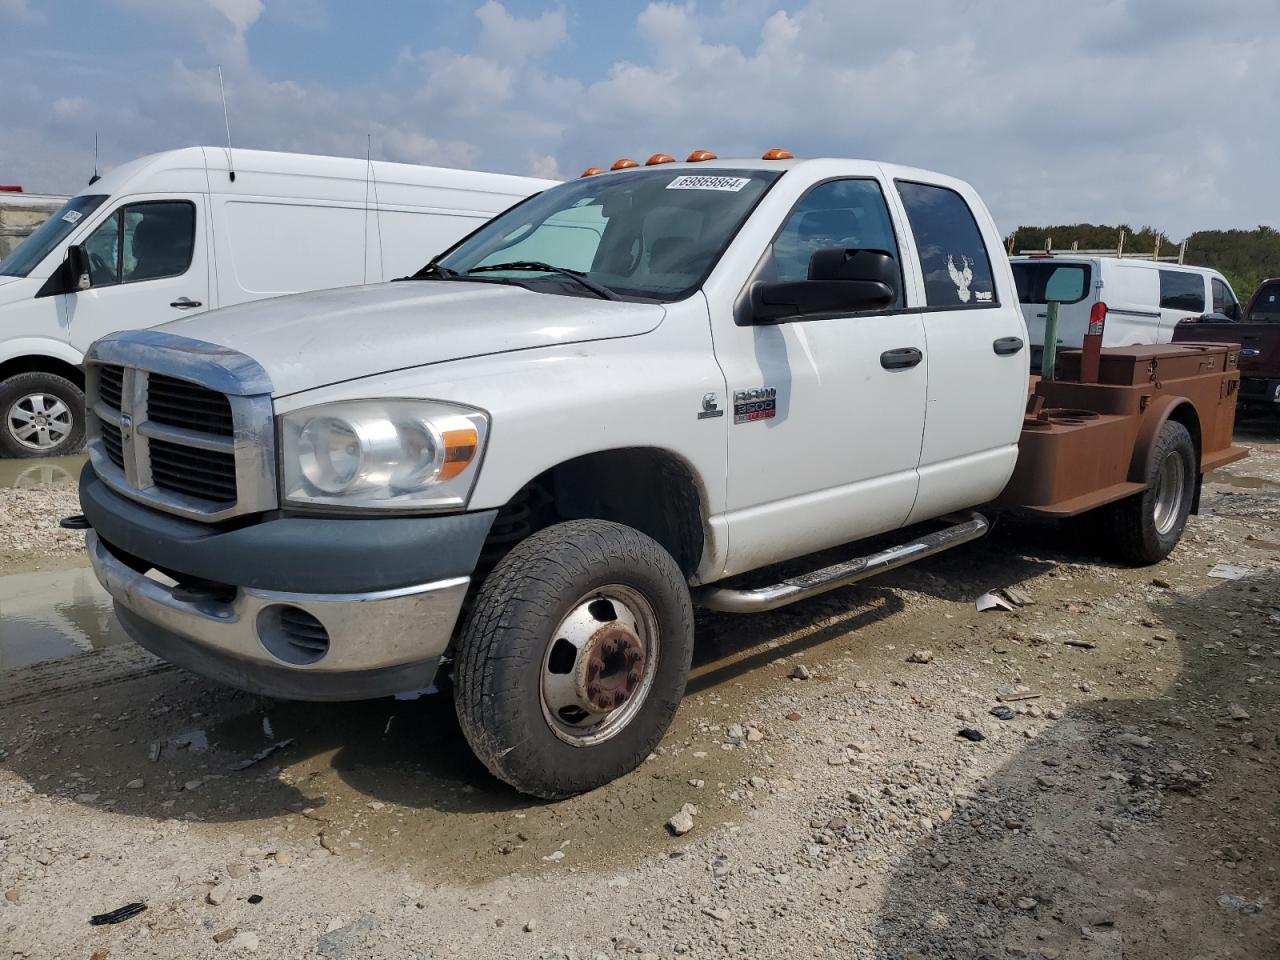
(292, 634)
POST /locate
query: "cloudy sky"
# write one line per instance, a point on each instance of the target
(1160, 112)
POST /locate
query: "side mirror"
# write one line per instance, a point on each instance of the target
(840, 281)
(77, 267)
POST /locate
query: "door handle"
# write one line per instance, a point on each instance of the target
(1007, 346)
(901, 358)
(186, 303)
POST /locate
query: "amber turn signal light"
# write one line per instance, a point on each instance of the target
(460, 448)
(699, 155)
(626, 163)
(777, 153)
(590, 172)
(658, 158)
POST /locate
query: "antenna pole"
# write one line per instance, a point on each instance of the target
(226, 119)
(368, 170)
(377, 212)
(95, 178)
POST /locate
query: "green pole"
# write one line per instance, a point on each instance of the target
(1049, 358)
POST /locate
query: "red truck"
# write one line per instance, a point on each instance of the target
(1258, 333)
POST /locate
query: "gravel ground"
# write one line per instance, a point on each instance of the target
(1120, 796)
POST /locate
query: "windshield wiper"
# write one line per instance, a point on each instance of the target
(577, 276)
(433, 271)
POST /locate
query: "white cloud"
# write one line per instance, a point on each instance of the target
(19, 11)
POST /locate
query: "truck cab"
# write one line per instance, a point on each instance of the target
(523, 463)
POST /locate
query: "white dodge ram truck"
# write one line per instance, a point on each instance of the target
(528, 461)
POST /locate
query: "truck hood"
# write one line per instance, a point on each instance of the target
(314, 339)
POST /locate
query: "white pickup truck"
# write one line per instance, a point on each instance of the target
(530, 460)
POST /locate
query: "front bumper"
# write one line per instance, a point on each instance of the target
(377, 643)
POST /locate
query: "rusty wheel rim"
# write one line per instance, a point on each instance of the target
(599, 665)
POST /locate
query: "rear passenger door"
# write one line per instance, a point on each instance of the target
(976, 352)
(1182, 295)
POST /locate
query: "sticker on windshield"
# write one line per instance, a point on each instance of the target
(71, 216)
(703, 182)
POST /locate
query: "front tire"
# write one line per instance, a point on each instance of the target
(574, 658)
(1145, 528)
(43, 416)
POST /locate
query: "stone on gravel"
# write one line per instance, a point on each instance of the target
(800, 672)
(921, 656)
(682, 822)
(246, 941)
(217, 894)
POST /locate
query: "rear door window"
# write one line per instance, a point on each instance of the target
(1180, 290)
(1266, 305)
(953, 258)
(1038, 283)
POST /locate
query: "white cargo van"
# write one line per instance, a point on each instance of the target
(177, 233)
(1142, 300)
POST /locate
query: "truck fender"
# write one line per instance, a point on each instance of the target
(22, 347)
(1161, 410)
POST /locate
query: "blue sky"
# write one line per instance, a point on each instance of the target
(1145, 111)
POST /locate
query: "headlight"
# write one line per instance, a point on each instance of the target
(382, 454)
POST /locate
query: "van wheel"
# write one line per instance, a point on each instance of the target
(43, 416)
(574, 658)
(1145, 528)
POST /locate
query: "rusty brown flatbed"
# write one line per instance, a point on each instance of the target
(1085, 445)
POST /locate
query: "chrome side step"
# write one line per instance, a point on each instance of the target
(970, 527)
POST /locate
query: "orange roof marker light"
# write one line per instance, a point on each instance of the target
(658, 158)
(626, 163)
(777, 153)
(590, 172)
(698, 156)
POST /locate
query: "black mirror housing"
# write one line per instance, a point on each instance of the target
(77, 265)
(840, 281)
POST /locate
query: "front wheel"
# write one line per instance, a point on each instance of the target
(574, 658)
(43, 416)
(1145, 528)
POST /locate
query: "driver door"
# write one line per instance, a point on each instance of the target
(827, 414)
(148, 264)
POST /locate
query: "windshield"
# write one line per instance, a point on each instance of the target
(48, 235)
(637, 235)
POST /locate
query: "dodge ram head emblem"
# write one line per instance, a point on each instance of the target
(758, 403)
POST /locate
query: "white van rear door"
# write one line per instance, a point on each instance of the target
(1132, 296)
(148, 264)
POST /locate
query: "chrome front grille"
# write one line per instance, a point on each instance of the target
(182, 404)
(181, 425)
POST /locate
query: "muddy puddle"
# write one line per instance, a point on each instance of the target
(48, 616)
(47, 472)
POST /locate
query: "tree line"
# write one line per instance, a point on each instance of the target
(1244, 257)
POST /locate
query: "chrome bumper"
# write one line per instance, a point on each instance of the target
(378, 643)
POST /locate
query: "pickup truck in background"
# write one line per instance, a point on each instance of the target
(1258, 333)
(524, 465)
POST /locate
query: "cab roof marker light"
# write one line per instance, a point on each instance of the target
(777, 153)
(658, 158)
(626, 163)
(591, 172)
(698, 156)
